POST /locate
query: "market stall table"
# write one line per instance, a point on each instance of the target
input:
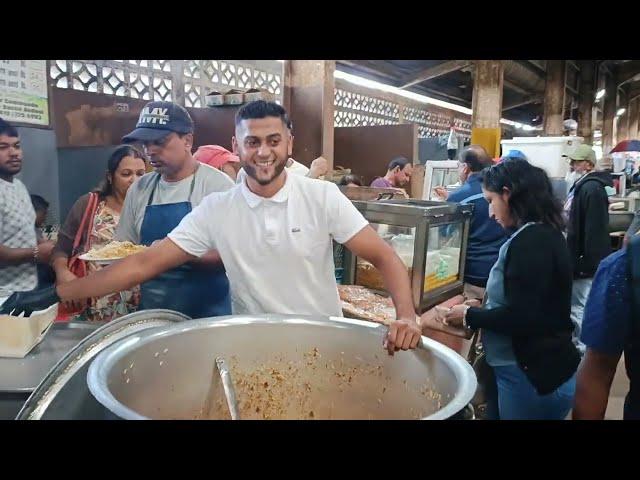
(20, 376)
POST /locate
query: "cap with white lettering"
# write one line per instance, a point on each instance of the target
(159, 119)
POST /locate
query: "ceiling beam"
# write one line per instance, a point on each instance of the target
(534, 66)
(429, 91)
(516, 88)
(434, 72)
(372, 67)
(627, 73)
(630, 79)
(525, 101)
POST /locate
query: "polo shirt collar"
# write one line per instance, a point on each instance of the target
(254, 200)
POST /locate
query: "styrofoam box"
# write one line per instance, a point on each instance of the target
(19, 335)
(545, 152)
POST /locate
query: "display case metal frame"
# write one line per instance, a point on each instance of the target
(421, 215)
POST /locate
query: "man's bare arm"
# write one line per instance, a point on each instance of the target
(126, 273)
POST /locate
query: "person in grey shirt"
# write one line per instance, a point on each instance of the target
(207, 180)
(156, 204)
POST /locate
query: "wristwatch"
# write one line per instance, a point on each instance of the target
(464, 317)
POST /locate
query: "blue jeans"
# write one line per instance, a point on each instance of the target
(515, 398)
(579, 294)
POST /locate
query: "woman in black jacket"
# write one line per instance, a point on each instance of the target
(525, 322)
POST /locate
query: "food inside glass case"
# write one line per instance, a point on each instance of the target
(443, 255)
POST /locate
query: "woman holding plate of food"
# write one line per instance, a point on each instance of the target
(90, 225)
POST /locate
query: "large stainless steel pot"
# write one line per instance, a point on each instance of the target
(316, 367)
(63, 393)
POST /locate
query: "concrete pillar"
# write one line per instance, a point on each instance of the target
(609, 115)
(308, 96)
(623, 120)
(586, 100)
(634, 117)
(554, 98)
(487, 105)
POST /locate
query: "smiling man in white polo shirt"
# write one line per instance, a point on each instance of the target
(273, 232)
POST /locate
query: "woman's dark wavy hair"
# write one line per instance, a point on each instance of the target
(531, 198)
(106, 187)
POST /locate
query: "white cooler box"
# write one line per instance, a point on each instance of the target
(19, 335)
(545, 152)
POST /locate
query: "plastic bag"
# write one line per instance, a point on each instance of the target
(452, 142)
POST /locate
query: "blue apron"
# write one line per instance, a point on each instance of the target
(195, 291)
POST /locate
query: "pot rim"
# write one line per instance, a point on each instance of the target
(104, 362)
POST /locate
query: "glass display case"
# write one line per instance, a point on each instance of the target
(429, 237)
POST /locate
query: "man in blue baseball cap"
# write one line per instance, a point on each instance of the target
(514, 155)
(157, 202)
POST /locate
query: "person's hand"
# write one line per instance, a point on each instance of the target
(29, 302)
(66, 276)
(441, 192)
(45, 249)
(403, 334)
(441, 312)
(319, 167)
(455, 315)
(473, 302)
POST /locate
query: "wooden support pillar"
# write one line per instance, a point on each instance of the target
(308, 96)
(554, 98)
(609, 115)
(623, 120)
(634, 118)
(586, 100)
(487, 105)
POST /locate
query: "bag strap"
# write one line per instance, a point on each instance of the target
(91, 220)
(88, 211)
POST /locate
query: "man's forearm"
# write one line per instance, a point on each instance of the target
(15, 256)
(397, 283)
(125, 273)
(593, 384)
(59, 263)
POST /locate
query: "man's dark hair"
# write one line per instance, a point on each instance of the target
(7, 129)
(263, 109)
(531, 198)
(400, 162)
(39, 203)
(476, 157)
(347, 179)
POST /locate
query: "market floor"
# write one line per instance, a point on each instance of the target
(619, 389)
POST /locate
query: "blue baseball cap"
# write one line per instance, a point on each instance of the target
(159, 119)
(514, 155)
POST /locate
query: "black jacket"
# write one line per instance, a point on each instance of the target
(588, 229)
(537, 286)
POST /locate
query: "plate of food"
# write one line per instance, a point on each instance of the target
(112, 252)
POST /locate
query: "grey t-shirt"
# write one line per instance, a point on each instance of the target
(208, 180)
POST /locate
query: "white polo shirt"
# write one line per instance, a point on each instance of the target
(277, 251)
